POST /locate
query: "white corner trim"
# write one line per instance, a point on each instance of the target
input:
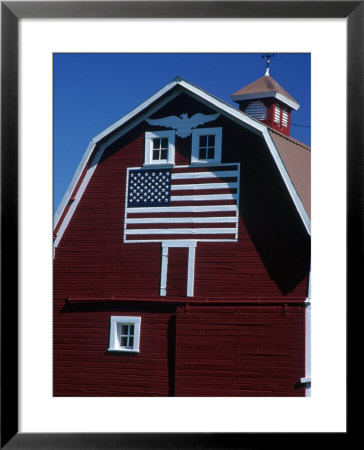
(307, 378)
(287, 180)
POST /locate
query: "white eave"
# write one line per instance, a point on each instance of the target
(136, 116)
(287, 101)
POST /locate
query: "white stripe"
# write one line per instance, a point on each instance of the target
(184, 220)
(170, 209)
(183, 231)
(197, 187)
(142, 241)
(194, 175)
(180, 198)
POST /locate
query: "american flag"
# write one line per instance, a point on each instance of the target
(182, 203)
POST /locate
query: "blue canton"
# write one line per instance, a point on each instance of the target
(149, 188)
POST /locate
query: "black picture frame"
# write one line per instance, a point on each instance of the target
(11, 12)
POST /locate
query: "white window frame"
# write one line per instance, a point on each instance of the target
(148, 155)
(115, 325)
(196, 133)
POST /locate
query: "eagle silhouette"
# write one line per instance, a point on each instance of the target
(183, 124)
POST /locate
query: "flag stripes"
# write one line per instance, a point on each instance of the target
(182, 203)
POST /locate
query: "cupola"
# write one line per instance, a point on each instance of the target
(265, 100)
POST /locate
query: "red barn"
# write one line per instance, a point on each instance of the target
(182, 252)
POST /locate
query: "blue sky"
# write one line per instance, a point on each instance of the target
(92, 91)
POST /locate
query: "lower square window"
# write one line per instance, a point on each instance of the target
(124, 333)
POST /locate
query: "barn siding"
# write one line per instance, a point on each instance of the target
(240, 351)
(83, 367)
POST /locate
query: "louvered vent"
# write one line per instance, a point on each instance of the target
(285, 117)
(277, 113)
(257, 110)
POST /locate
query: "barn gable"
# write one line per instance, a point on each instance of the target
(146, 110)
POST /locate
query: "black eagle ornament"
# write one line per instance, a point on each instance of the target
(183, 124)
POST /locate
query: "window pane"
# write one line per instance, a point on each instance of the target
(155, 154)
(211, 140)
(203, 141)
(124, 341)
(131, 342)
(131, 331)
(124, 329)
(164, 143)
(211, 153)
(202, 153)
(156, 143)
(163, 154)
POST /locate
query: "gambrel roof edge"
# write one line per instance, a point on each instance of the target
(99, 143)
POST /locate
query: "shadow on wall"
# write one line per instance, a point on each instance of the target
(271, 218)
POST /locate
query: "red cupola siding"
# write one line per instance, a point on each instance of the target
(182, 256)
(265, 100)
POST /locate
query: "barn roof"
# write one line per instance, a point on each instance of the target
(263, 87)
(291, 157)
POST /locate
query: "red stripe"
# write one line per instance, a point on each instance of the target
(204, 192)
(204, 203)
(183, 214)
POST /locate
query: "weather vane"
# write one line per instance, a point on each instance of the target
(268, 56)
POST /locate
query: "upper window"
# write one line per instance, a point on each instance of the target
(206, 145)
(124, 333)
(159, 147)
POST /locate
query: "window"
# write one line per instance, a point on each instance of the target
(206, 145)
(257, 110)
(159, 147)
(124, 334)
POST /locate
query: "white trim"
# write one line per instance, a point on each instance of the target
(130, 241)
(191, 270)
(271, 94)
(191, 231)
(78, 196)
(196, 133)
(148, 149)
(114, 343)
(307, 349)
(164, 268)
(288, 182)
(191, 245)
